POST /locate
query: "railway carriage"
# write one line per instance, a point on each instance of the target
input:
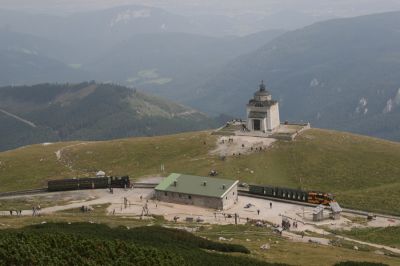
(88, 183)
(120, 182)
(63, 184)
(92, 183)
(291, 194)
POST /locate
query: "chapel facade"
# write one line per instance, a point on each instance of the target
(262, 112)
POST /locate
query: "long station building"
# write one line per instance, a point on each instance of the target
(209, 192)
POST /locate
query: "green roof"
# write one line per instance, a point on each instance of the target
(194, 185)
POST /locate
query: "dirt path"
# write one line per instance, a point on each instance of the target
(64, 161)
(394, 250)
(29, 123)
(240, 145)
(306, 239)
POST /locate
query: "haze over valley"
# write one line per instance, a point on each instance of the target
(341, 74)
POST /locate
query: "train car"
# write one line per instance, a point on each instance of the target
(88, 183)
(120, 182)
(279, 192)
(78, 183)
(292, 194)
(63, 184)
(320, 198)
(93, 182)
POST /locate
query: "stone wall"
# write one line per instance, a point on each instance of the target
(230, 198)
(274, 120)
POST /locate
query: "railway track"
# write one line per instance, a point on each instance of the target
(44, 190)
(23, 192)
(144, 185)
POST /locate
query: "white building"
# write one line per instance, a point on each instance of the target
(262, 112)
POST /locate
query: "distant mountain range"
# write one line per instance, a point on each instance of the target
(341, 74)
(137, 46)
(89, 111)
(171, 63)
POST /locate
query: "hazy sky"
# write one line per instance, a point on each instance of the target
(223, 7)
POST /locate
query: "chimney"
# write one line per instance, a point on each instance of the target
(223, 186)
(175, 183)
(205, 183)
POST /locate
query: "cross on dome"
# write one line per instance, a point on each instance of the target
(262, 86)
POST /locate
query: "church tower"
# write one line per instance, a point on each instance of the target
(262, 111)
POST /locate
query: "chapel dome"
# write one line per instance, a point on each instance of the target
(262, 94)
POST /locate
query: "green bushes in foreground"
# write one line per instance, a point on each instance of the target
(93, 244)
(64, 249)
(359, 263)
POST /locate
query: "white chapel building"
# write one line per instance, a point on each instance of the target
(262, 112)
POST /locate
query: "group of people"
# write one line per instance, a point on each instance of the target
(17, 212)
(230, 140)
(257, 148)
(286, 224)
(295, 224)
(36, 210)
(85, 208)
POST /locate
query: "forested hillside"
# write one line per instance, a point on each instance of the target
(88, 111)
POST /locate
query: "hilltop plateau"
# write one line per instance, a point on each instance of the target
(362, 172)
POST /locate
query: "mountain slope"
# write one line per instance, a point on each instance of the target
(153, 62)
(363, 172)
(125, 45)
(88, 111)
(340, 74)
(24, 67)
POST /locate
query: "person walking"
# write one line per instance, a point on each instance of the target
(270, 205)
(258, 212)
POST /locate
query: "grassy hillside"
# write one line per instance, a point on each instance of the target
(363, 172)
(383, 235)
(88, 111)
